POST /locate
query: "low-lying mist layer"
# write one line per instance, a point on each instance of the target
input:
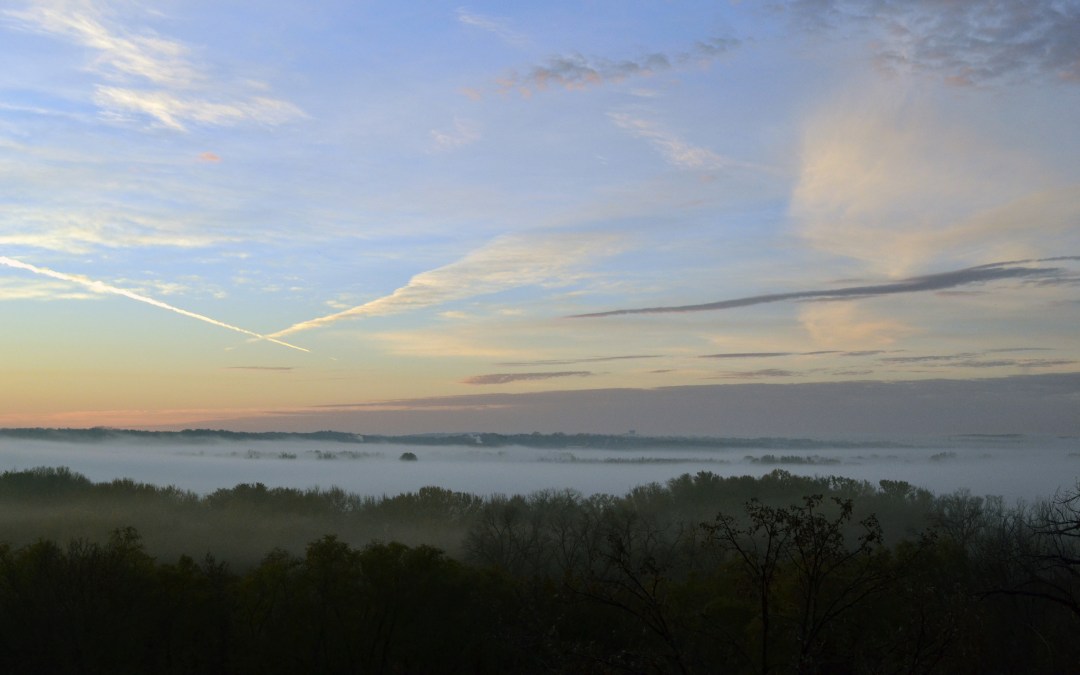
(1013, 466)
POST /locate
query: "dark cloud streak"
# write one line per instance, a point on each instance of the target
(576, 71)
(919, 284)
(567, 362)
(932, 358)
(756, 374)
(765, 355)
(505, 378)
(746, 355)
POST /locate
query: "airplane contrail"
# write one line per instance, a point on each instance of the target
(101, 287)
(507, 262)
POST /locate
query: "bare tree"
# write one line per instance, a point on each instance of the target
(805, 568)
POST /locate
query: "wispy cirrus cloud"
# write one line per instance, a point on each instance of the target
(11, 289)
(575, 71)
(80, 230)
(492, 24)
(675, 150)
(965, 43)
(120, 54)
(508, 262)
(1001, 271)
(176, 111)
(108, 289)
(147, 74)
(878, 176)
(461, 134)
(506, 378)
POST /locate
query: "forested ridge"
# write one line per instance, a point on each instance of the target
(703, 574)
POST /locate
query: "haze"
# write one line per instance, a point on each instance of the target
(1027, 468)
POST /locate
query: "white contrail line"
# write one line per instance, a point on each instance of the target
(510, 261)
(101, 287)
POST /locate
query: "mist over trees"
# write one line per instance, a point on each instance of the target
(703, 574)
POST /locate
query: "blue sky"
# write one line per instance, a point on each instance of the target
(234, 212)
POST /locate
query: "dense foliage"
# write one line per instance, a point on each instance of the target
(705, 574)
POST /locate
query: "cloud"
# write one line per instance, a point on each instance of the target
(80, 230)
(973, 360)
(101, 287)
(964, 43)
(899, 177)
(1015, 363)
(505, 378)
(746, 355)
(45, 290)
(156, 75)
(676, 151)
(451, 403)
(175, 111)
(767, 355)
(508, 262)
(833, 324)
(927, 359)
(575, 71)
(567, 362)
(495, 25)
(464, 133)
(578, 72)
(209, 157)
(467, 340)
(1001, 271)
(756, 374)
(119, 54)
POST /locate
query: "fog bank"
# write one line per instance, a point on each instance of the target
(1013, 466)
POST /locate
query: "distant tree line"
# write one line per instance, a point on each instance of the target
(533, 440)
(704, 574)
(102, 434)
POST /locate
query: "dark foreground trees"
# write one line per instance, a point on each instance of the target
(386, 608)
(705, 575)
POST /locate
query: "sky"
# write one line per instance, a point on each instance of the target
(588, 216)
